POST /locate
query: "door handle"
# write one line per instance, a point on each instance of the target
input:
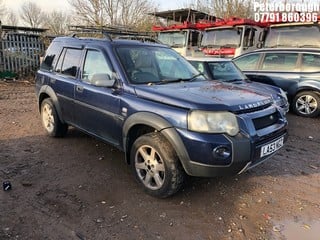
(79, 89)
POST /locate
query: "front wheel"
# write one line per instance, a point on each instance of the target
(50, 119)
(156, 165)
(307, 104)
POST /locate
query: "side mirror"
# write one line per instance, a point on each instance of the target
(102, 80)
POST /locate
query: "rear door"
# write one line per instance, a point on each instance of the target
(310, 71)
(97, 108)
(63, 79)
(279, 69)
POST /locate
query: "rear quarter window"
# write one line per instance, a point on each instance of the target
(51, 57)
(310, 63)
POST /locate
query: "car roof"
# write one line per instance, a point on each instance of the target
(88, 40)
(289, 49)
(282, 49)
(208, 59)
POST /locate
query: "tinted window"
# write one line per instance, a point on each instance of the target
(51, 57)
(248, 40)
(280, 61)
(68, 62)
(248, 62)
(193, 38)
(95, 64)
(310, 63)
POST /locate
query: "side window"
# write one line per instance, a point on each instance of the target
(248, 39)
(69, 62)
(193, 38)
(310, 63)
(280, 61)
(51, 57)
(95, 64)
(248, 62)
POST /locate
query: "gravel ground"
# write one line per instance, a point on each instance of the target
(80, 188)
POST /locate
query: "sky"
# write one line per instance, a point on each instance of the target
(48, 5)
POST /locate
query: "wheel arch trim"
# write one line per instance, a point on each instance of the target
(47, 90)
(161, 125)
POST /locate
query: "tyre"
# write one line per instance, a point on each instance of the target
(156, 165)
(306, 104)
(50, 119)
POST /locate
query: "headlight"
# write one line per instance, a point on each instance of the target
(213, 122)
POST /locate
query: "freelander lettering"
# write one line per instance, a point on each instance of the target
(253, 105)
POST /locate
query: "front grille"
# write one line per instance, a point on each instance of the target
(266, 121)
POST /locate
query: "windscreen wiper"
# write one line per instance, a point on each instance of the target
(164, 81)
(234, 80)
(176, 45)
(193, 77)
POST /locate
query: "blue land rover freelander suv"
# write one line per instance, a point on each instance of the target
(151, 103)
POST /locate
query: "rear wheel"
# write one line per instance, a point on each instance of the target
(50, 119)
(306, 104)
(156, 165)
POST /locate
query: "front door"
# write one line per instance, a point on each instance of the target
(97, 108)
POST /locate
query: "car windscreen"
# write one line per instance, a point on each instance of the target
(225, 71)
(173, 39)
(230, 37)
(293, 36)
(155, 65)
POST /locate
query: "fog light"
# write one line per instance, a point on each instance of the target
(221, 152)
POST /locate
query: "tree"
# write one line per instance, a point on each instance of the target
(2, 10)
(112, 12)
(12, 19)
(56, 22)
(225, 8)
(32, 15)
(232, 8)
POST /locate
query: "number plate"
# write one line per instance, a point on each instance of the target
(271, 147)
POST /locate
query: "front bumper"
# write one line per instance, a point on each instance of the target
(196, 150)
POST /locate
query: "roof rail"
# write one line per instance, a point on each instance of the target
(113, 32)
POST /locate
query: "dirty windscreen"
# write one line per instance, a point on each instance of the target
(293, 36)
(222, 37)
(173, 39)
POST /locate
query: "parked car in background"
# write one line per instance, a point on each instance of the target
(225, 70)
(296, 71)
